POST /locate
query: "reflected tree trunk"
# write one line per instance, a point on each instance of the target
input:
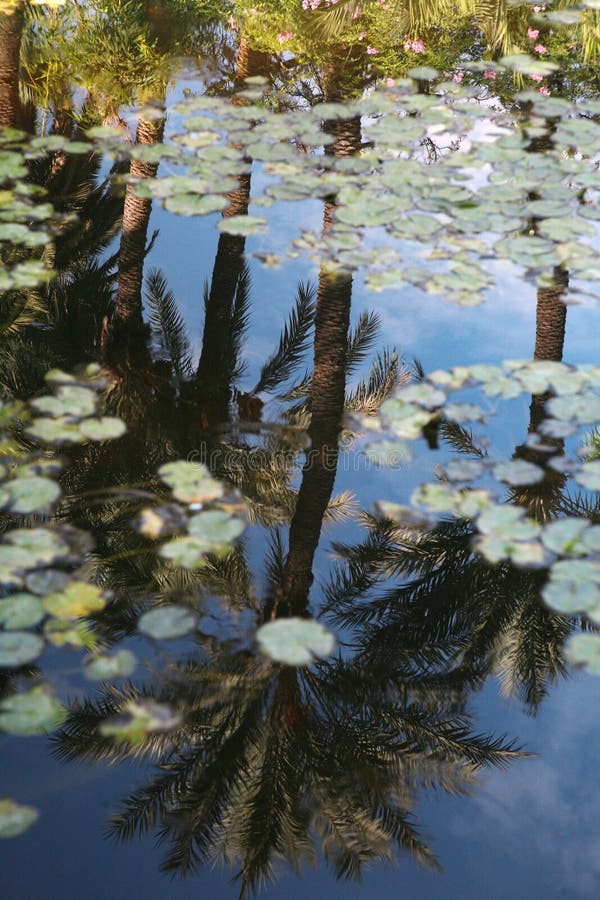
(544, 498)
(11, 30)
(328, 393)
(214, 369)
(134, 233)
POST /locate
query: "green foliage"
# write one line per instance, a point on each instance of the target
(295, 642)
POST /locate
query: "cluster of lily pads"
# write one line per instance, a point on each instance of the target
(25, 218)
(568, 547)
(47, 594)
(488, 196)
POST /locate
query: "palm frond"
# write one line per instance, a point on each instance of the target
(167, 325)
(293, 342)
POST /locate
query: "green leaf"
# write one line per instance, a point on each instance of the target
(21, 611)
(190, 482)
(70, 400)
(34, 712)
(167, 622)
(584, 650)
(15, 818)
(17, 648)
(62, 632)
(32, 495)
(564, 536)
(78, 599)
(106, 428)
(195, 204)
(215, 528)
(141, 717)
(295, 641)
(589, 475)
(243, 225)
(121, 664)
(518, 472)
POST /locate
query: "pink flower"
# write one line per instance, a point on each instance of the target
(357, 12)
(489, 73)
(545, 91)
(458, 77)
(372, 51)
(389, 82)
(232, 23)
(418, 46)
(539, 48)
(539, 8)
(284, 36)
(537, 78)
(533, 33)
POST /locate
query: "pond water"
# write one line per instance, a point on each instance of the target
(300, 560)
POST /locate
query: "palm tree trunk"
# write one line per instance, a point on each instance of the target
(11, 29)
(551, 317)
(328, 393)
(544, 498)
(229, 266)
(332, 322)
(134, 232)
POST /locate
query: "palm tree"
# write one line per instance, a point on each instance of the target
(11, 30)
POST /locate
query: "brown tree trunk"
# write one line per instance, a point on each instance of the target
(328, 393)
(229, 267)
(134, 232)
(542, 499)
(551, 317)
(11, 29)
(332, 322)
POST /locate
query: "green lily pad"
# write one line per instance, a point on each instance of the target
(70, 400)
(78, 599)
(215, 528)
(15, 818)
(243, 225)
(507, 522)
(584, 650)
(120, 665)
(55, 431)
(32, 495)
(46, 581)
(167, 622)
(564, 536)
(190, 482)
(518, 472)
(63, 632)
(295, 641)
(140, 718)
(106, 428)
(589, 475)
(17, 648)
(34, 712)
(43, 544)
(21, 611)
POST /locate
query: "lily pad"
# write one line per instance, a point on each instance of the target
(32, 495)
(295, 641)
(584, 650)
(21, 611)
(167, 622)
(140, 718)
(190, 482)
(18, 648)
(15, 818)
(77, 600)
(106, 428)
(120, 665)
(34, 712)
(518, 472)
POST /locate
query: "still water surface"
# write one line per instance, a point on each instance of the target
(217, 247)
